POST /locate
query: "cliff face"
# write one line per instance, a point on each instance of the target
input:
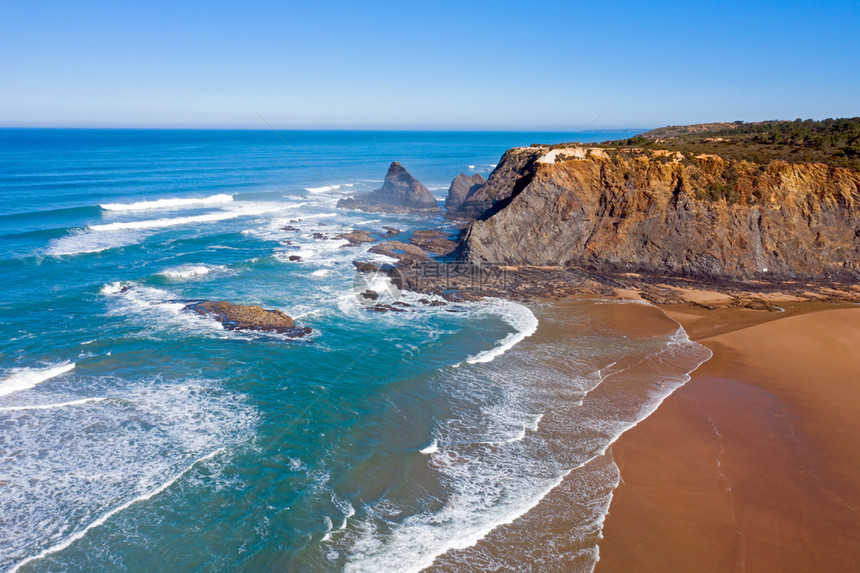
(462, 186)
(399, 193)
(666, 213)
(513, 172)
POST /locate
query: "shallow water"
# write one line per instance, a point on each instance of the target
(136, 437)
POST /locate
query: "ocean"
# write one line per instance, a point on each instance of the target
(137, 437)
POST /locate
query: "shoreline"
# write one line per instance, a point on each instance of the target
(560, 527)
(750, 465)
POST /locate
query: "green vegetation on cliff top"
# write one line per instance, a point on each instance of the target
(832, 141)
(747, 148)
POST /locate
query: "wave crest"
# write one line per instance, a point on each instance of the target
(170, 203)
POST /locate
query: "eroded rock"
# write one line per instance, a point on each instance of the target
(357, 237)
(242, 317)
(462, 186)
(400, 193)
(433, 241)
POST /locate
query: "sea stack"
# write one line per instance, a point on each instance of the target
(462, 186)
(400, 193)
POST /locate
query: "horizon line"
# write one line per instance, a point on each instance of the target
(333, 129)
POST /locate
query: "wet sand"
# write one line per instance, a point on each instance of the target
(753, 465)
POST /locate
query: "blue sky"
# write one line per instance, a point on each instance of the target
(438, 65)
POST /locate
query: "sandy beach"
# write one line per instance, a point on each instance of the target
(752, 465)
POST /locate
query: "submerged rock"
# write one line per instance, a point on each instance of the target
(400, 193)
(241, 317)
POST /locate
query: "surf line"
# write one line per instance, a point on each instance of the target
(101, 520)
(51, 406)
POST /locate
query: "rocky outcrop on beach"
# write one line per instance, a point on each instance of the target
(635, 219)
(357, 237)
(462, 186)
(400, 193)
(666, 213)
(434, 241)
(241, 317)
(407, 254)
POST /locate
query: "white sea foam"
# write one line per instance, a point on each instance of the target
(223, 215)
(346, 507)
(51, 406)
(317, 250)
(326, 188)
(101, 520)
(184, 272)
(431, 448)
(155, 307)
(161, 311)
(519, 317)
(415, 544)
(518, 436)
(168, 203)
(101, 237)
(328, 527)
(81, 241)
(507, 471)
(18, 379)
(77, 464)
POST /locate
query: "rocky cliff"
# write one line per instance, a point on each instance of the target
(510, 176)
(666, 212)
(400, 193)
(462, 186)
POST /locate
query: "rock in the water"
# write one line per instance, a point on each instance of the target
(241, 317)
(295, 258)
(369, 294)
(462, 186)
(433, 241)
(400, 193)
(357, 237)
(405, 253)
(385, 308)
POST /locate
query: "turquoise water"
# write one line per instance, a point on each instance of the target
(135, 437)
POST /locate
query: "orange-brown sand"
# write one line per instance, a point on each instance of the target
(753, 465)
